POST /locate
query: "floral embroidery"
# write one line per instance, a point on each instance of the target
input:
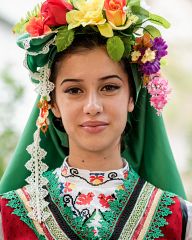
(92, 178)
(69, 187)
(125, 174)
(64, 171)
(104, 200)
(96, 178)
(84, 199)
(81, 191)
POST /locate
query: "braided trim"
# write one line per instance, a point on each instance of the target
(54, 229)
(150, 215)
(158, 220)
(138, 211)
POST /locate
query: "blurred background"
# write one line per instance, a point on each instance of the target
(17, 96)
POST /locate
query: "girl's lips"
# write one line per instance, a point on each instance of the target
(94, 126)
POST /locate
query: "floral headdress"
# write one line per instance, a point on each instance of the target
(52, 27)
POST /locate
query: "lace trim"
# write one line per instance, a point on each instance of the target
(43, 85)
(19, 209)
(44, 50)
(26, 43)
(158, 221)
(36, 180)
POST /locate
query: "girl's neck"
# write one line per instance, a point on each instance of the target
(95, 161)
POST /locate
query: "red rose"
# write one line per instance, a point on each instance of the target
(54, 12)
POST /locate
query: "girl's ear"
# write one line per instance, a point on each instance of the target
(130, 105)
(55, 110)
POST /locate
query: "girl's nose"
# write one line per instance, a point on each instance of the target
(93, 105)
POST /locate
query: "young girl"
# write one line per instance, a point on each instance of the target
(101, 130)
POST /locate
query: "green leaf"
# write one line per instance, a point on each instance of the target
(64, 38)
(153, 31)
(133, 3)
(159, 20)
(163, 61)
(128, 42)
(115, 48)
(140, 12)
(19, 28)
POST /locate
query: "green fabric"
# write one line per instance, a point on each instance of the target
(147, 149)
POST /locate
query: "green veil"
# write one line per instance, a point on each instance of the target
(146, 147)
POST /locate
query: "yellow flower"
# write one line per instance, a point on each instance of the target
(135, 55)
(89, 13)
(149, 56)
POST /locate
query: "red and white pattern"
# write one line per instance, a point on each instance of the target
(90, 191)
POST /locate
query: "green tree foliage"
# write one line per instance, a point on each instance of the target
(12, 93)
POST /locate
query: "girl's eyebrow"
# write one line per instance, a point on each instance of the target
(71, 80)
(80, 80)
(110, 76)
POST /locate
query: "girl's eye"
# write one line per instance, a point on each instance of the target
(73, 90)
(110, 88)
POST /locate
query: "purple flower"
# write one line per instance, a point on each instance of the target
(150, 67)
(160, 46)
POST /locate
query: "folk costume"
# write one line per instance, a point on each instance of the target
(143, 200)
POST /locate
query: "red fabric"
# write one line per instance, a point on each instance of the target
(173, 230)
(13, 227)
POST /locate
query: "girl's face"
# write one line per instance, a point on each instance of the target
(92, 99)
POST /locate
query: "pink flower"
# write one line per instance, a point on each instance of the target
(158, 89)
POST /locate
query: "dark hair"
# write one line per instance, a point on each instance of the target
(82, 43)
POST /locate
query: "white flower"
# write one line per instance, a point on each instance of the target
(149, 56)
(135, 55)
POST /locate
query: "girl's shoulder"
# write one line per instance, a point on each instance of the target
(14, 218)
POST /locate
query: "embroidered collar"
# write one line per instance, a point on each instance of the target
(93, 178)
